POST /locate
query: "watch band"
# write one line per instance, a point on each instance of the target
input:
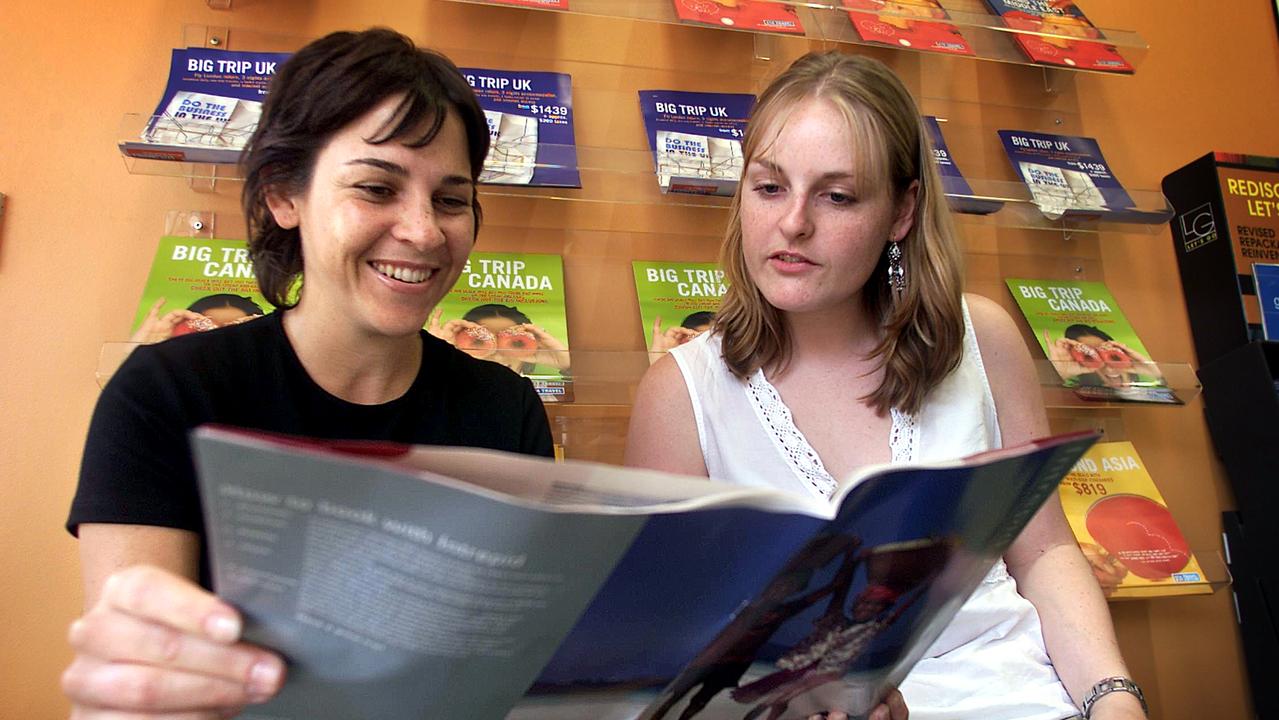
(1112, 684)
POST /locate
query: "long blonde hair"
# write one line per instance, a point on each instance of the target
(923, 324)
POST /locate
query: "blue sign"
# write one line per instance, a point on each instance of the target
(1267, 277)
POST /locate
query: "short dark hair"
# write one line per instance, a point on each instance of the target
(221, 300)
(698, 319)
(495, 310)
(1074, 332)
(321, 89)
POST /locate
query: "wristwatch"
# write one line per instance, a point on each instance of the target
(1113, 684)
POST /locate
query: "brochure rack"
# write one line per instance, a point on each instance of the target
(827, 21)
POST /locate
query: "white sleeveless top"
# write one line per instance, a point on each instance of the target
(990, 662)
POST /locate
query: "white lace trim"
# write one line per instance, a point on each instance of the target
(794, 446)
(904, 436)
(799, 454)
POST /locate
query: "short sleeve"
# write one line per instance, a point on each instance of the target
(137, 466)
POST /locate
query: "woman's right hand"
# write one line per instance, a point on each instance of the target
(156, 645)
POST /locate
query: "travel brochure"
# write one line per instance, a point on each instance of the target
(436, 582)
(197, 284)
(210, 106)
(677, 301)
(530, 119)
(696, 139)
(1124, 529)
(508, 308)
(1056, 32)
(1090, 343)
(913, 24)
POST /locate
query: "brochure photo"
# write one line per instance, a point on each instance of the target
(1094, 349)
(530, 119)
(696, 139)
(446, 582)
(197, 284)
(210, 106)
(1131, 541)
(509, 308)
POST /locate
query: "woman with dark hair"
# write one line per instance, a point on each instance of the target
(845, 339)
(361, 180)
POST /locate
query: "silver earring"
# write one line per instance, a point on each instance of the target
(896, 273)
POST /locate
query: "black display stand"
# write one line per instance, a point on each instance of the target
(1217, 234)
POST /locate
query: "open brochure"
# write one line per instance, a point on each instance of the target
(210, 106)
(447, 582)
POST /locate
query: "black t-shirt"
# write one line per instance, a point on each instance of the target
(137, 465)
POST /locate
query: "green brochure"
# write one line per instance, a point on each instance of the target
(677, 301)
(197, 284)
(1085, 335)
(509, 308)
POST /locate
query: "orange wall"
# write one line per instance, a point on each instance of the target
(78, 231)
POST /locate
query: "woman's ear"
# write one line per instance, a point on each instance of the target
(905, 218)
(283, 206)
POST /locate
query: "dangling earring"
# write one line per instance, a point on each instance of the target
(896, 273)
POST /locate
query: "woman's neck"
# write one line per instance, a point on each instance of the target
(839, 334)
(356, 367)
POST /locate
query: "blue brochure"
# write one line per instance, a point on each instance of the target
(530, 117)
(210, 106)
(696, 139)
(1267, 278)
(958, 192)
(1069, 177)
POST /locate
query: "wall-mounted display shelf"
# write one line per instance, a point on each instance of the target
(826, 21)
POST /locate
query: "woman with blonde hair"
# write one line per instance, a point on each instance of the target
(845, 339)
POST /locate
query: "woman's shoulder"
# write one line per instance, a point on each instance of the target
(993, 328)
(232, 349)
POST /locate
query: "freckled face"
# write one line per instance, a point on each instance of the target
(386, 228)
(812, 230)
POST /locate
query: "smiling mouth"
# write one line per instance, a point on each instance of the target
(412, 276)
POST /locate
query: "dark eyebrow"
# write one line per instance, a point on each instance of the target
(393, 168)
(401, 171)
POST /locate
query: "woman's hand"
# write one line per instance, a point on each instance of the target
(550, 351)
(156, 327)
(1141, 365)
(893, 708)
(666, 340)
(156, 645)
(1062, 359)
